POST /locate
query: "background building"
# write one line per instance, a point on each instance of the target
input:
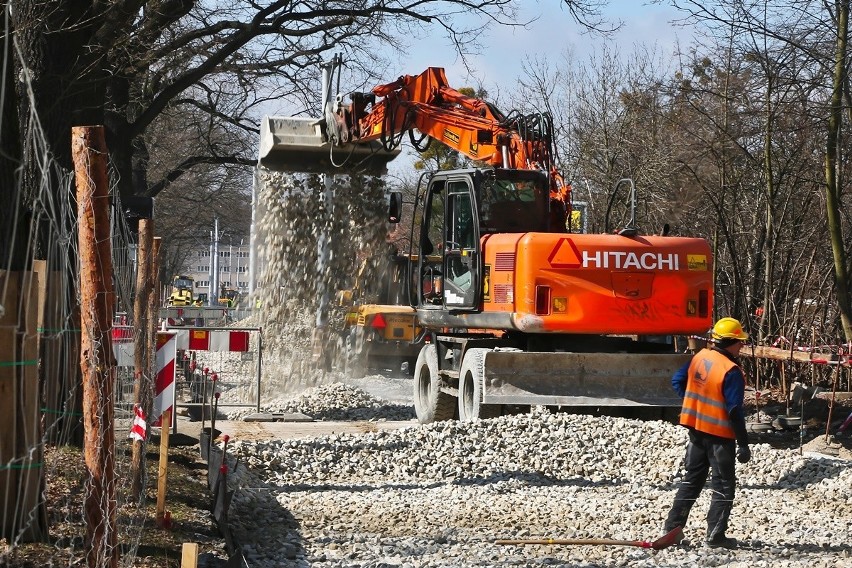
(233, 267)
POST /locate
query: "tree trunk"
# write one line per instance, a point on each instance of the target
(97, 302)
(764, 316)
(14, 231)
(142, 389)
(832, 185)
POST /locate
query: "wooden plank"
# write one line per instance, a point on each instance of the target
(8, 402)
(31, 508)
(72, 380)
(189, 555)
(60, 363)
(163, 470)
(777, 354)
(51, 355)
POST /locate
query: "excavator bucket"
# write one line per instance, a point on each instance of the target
(297, 144)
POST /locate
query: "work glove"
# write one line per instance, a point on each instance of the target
(743, 454)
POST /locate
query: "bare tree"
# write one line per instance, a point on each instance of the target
(723, 147)
(802, 48)
(833, 181)
(126, 64)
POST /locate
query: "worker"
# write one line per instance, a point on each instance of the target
(712, 385)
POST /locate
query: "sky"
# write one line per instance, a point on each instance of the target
(503, 50)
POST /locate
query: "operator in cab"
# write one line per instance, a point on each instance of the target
(712, 385)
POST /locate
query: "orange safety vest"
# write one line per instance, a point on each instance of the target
(704, 403)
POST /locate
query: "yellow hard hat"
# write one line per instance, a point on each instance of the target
(729, 328)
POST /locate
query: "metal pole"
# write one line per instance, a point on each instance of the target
(255, 194)
(259, 365)
(210, 274)
(215, 283)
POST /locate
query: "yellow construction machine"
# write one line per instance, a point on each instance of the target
(228, 296)
(379, 325)
(181, 291)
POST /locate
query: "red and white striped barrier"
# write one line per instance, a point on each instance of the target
(212, 340)
(122, 334)
(164, 386)
(138, 431)
(843, 362)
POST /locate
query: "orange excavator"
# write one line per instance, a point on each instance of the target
(521, 311)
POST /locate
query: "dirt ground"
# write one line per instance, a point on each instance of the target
(142, 544)
(819, 416)
(189, 498)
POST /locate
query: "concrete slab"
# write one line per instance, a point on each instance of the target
(278, 417)
(826, 395)
(295, 430)
(257, 431)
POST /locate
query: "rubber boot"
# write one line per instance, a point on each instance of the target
(845, 424)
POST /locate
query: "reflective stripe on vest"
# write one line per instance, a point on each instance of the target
(704, 403)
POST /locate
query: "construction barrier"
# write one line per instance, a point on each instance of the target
(202, 316)
(164, 385)
(123, 348)
(212, 340)
(223, 360)
(220, 465)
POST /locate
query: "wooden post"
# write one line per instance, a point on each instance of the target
(142, 387)
(96, 358)
(831, 404)
(162, 472)
(189, 555)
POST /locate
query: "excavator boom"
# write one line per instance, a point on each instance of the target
(477, 129)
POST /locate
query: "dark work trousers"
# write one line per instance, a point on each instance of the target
(703, 454)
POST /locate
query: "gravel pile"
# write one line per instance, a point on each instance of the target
(336, 401)
(440, 494)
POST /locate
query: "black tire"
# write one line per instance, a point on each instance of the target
(430, 404)
(412, 365)
(516, 409)
(356, 354)
(471, 385)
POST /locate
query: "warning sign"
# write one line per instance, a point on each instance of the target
(565, 254)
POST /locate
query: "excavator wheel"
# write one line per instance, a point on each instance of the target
(471, 383)
(355, 354)
(430, 404)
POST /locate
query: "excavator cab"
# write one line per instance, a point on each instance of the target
(460, 208)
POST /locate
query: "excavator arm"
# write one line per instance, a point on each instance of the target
(469, 125)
